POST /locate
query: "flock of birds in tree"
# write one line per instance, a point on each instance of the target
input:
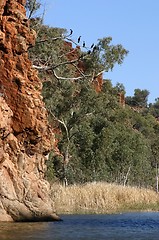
(92, 47)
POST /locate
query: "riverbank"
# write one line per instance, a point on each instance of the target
(102, 198)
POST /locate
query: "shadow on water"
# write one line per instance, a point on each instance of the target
(127, 226)
(20, 231)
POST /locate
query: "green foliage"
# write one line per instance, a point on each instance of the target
(105, 56)
(139, 99)
(154, 108)
(31, 7)
(102, 140)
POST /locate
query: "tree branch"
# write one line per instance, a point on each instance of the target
(101, 72)
(63, 78)
(46, 68)
(66, 156)
(56, 38)
(69, 52)
(32, 10)
(78, 70)
(55, 66)
(65, 63)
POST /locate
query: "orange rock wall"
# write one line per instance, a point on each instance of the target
(25, 136)
(73, 54)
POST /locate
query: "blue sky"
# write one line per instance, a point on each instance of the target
(132, 23)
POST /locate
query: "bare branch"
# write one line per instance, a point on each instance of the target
(65, 63)
(63, 123)
(55, 66)
(95, 76)
(44, 11)
(69, 52)
(63, 37)
(44, 68)
(32, 10)
(78, 70)
(66, 154)
(75, 78)
(56, 38)
(44, 40)
(70, 40)
(77, 44)
(101, 72)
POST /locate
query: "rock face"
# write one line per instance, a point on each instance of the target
(25, 136)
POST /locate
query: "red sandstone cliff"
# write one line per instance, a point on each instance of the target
(25, 137)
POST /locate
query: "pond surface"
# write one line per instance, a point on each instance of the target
(126, 226)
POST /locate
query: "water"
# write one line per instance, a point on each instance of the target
(127, 226)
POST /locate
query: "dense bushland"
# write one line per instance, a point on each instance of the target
(99, 138)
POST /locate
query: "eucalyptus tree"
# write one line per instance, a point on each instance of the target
(71, 100)
(98, 139)
(140, 98)
(32, 6)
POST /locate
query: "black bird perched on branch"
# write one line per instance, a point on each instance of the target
(95, 48)
(84, 44)
(79, 39)
(89, 52)
(92, 45)
(71, 31)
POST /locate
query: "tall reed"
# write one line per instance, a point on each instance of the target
(102, 198)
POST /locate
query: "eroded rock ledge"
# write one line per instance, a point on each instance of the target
(25, 136)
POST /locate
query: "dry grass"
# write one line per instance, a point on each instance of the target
(102, 198)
